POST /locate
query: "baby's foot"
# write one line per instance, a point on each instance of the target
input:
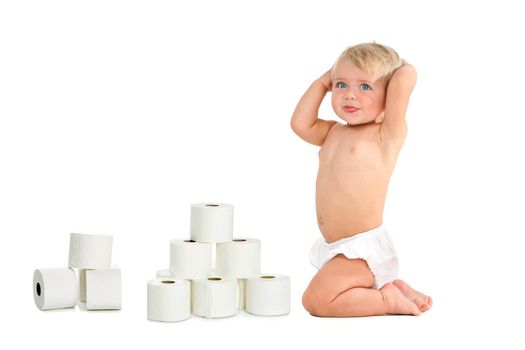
(422, 301)
(397, 303)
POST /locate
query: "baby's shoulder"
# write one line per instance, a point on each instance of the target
(337, 131)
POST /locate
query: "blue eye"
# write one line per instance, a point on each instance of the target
(340, 85)
(365, 87)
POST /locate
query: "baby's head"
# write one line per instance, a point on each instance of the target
(360, 77)
(376, 60)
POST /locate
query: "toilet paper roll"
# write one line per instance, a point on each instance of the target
(82, 283)
(164, 273)
(103, 289)
(268, 295)
(90, 251)
(168, 299)
(211, 222)
(239, 258)
(214, 297)
(190, 259)
(55, 288)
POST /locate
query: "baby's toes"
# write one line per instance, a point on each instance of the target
(426, 304)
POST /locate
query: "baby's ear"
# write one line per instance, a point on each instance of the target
(380, 117)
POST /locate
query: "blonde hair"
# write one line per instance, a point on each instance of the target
(378, 60)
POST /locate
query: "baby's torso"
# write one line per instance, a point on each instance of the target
(355, 166)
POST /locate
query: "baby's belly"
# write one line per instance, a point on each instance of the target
(344, 210)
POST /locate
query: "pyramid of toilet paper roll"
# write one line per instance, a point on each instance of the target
(193, 285)
(98, 285)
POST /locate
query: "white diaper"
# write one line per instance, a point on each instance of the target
(374, 246)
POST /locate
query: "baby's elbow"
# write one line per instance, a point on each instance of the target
(297, 127)
(293, 124)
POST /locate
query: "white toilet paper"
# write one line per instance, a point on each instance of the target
(103, 289)
(55, 288)
(268, 295)
(168, 299)
(164, 273)
(214, 297)
(190, 259)
(90, 251)
(211, 222)
(239, 258)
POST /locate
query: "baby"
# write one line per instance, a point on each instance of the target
(356, 258)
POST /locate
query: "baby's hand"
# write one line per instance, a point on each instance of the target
(326, 80)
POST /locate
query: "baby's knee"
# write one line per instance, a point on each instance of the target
(315, 302)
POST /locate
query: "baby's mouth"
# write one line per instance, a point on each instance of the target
(350, 109)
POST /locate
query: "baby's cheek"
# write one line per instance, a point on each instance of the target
(334, 100)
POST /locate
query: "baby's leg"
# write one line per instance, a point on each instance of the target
(343, 288)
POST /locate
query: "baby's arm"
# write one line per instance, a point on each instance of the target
(398, 93)
(304, 121)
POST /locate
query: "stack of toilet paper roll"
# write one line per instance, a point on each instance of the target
(98, 286)
(198, 283)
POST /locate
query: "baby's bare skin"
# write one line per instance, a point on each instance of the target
(356, 161)
(355, 166)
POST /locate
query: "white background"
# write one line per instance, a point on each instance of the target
(116, 116)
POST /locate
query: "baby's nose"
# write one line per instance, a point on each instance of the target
(349, 94)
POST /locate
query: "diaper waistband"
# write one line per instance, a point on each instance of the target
(373, 232)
